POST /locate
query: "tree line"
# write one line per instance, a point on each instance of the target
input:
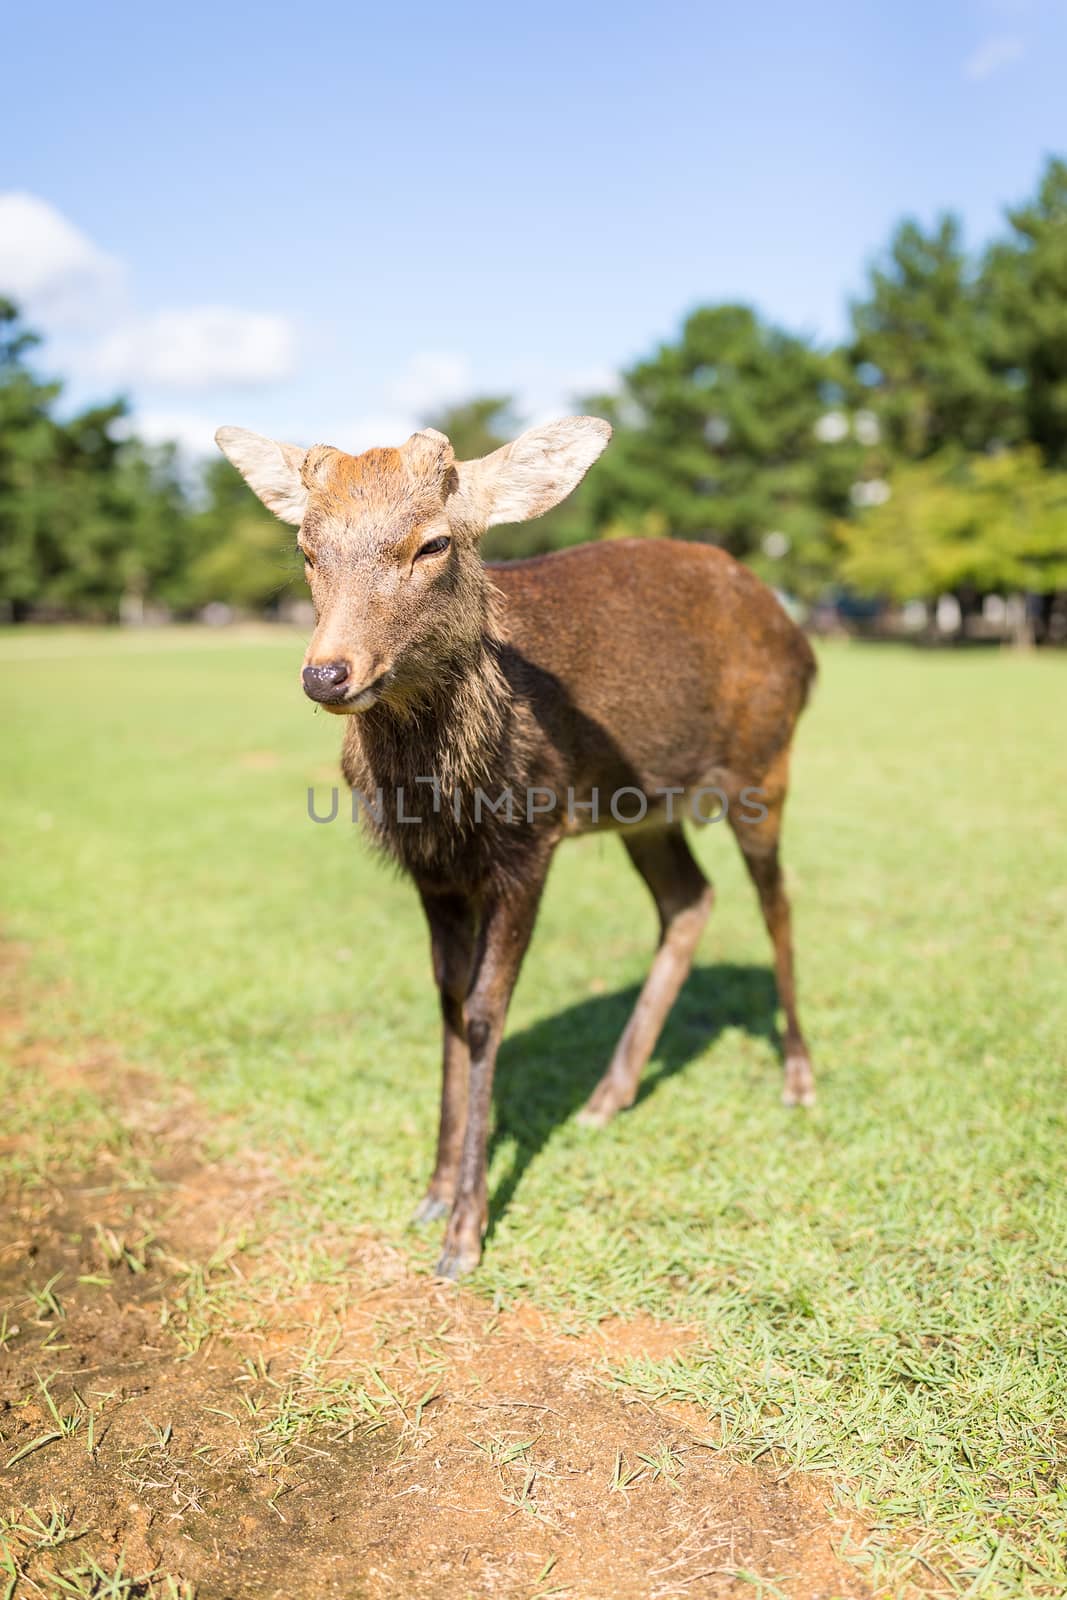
(924, 455)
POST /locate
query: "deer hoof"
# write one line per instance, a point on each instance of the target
(592, 1116)
(799, 1089)
(456, 1263)
(429, 1209)
(605, 1101)
(798, 1097)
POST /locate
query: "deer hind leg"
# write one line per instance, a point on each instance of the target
(758, 840)
(683, 898)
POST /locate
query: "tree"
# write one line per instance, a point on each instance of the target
(88, 517)
(241, 554)
(738, 434)
(1024, 281)
(923, 343)
(27, 453)
(151, 504)
(962, 525)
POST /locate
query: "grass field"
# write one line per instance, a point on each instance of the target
(880, 1286)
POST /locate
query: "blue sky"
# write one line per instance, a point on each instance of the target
(318, 223)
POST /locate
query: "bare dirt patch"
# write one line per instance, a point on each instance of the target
(170, 1399)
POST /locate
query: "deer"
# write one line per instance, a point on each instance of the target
(649, 667)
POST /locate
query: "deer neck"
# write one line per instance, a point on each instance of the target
(454, 734)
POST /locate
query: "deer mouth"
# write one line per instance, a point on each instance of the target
(359, 699)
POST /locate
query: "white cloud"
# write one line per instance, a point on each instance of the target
(63, 279)
(193, 432)
(427, 382)
(49, 265)
(372, 429)
(430, 379)
(543, 394)
(589, 380)
(198, 347)
(992, 55)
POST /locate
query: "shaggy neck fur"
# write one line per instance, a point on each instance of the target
(467, 733)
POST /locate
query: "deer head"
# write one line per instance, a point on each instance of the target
(390, 545)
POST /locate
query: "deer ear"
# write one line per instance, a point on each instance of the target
(530, 476)
(270, 469)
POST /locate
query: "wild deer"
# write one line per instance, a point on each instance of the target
(648, 668)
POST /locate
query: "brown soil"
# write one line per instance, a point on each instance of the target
(381, 1435)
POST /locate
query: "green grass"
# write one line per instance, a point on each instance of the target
(881, 1285)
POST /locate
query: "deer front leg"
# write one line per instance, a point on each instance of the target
(507, 923)
(452, 920)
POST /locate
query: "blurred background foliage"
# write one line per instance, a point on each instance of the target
(925, 455)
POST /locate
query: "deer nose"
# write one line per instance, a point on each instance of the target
(326, 683)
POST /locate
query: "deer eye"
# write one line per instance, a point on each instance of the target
(433, 547)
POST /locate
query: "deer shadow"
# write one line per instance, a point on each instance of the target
(546, 1073)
